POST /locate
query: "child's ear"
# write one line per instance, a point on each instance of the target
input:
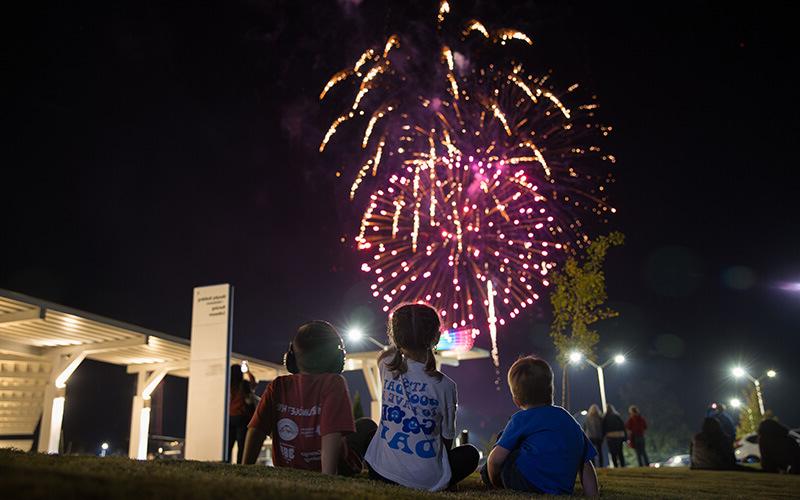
(516, 401)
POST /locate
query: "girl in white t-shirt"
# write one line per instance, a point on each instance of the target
(418, 417)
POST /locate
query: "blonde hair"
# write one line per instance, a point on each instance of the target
(531, 381)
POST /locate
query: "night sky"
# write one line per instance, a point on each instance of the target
(151, 147)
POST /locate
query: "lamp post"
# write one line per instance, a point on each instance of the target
(576, 357)
(357, 335)
(739, 372)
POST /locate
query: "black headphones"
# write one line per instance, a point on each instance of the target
(335, 366)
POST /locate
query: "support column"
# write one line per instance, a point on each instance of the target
(54, 400)
(140, 421)
(64, 362)
(146, 383)
(52, 418)
(373, 378)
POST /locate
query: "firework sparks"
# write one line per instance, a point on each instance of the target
(484, 181)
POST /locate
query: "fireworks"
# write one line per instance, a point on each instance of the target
(478, 182)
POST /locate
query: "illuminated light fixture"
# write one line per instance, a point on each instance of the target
(772, 373)
(575, 357)
(619, 359)
(355, 334)
(584, 412)
(735, 403)
(738, 372)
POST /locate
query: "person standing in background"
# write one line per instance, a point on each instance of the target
(614, 432)
(241, 408)
(636, 426)
(593, 427)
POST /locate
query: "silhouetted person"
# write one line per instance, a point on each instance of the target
(593, 428)
(710, 448)
(614, 431)
(636, 425)
(240, 410)
(780, 451)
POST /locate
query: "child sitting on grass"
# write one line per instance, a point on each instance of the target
(308, 413)
(542, 447)
(418, 421)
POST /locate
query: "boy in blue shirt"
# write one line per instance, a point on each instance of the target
(542, 447)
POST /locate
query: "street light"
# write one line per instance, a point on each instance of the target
(735, 403)
(575, 357)
(739, 372)
(356, 334)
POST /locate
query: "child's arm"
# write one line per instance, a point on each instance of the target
(252, 445)
(494, 465)
(331, 452)
(589, 480)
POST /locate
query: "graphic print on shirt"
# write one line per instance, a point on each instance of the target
(289, 429)
(412, 415)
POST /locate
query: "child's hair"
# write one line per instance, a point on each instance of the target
(413, 327)
(634, 410)
(318, 348)
(531, 381)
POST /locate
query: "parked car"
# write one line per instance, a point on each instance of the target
(674, 461)
(746, 449)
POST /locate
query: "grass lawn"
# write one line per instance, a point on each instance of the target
(32, 476)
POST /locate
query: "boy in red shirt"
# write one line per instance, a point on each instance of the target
(308, 413)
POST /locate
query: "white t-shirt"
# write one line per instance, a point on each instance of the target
(417, 412)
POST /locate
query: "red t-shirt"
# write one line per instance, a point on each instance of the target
(297, 410)
(636, 425)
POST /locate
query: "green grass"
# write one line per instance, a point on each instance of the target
(33, 476)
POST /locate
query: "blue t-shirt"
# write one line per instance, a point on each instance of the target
(552, 447)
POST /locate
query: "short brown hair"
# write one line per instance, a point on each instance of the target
(531, 381)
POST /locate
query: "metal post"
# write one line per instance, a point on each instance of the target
(602, 383)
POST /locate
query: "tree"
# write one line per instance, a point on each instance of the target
(577, 299)
(749, 414)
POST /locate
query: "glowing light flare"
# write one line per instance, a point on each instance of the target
(453, 85)
(336, 78)
(505, 34)
(363, 59)
(391, 43)
(557, 103)
(447, 54)
(371, 124)
(332, 130)
(521, 84)
(478, 26)
(500, 116)
(444, 9)
(492, 320)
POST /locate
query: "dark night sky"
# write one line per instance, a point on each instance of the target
(155, 146)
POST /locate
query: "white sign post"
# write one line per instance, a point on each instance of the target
(207, 405)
